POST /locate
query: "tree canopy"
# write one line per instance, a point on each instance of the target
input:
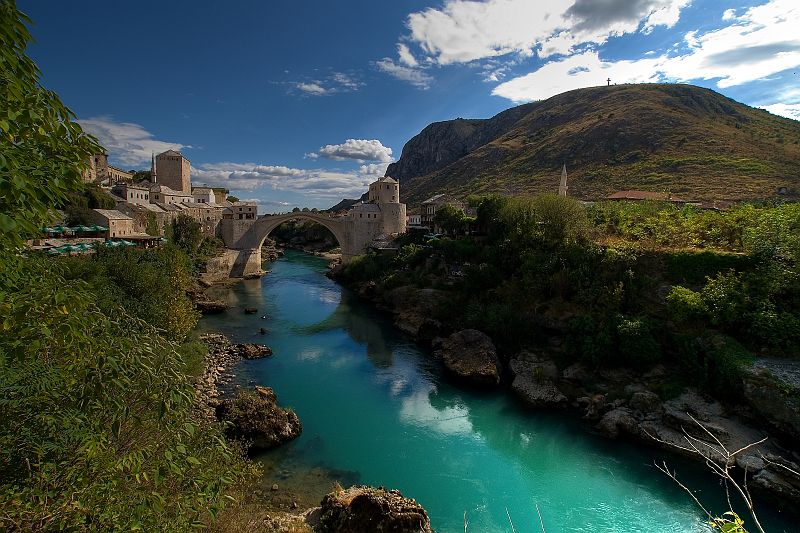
(43, 152)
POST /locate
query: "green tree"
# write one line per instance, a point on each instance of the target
(232, 198)
(43, 153)
(141, 175)
(96, 426)
(450, 218)
(152, 225)
(187, 234)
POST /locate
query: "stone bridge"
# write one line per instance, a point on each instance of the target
(247, 237)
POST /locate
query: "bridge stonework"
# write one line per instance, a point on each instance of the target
(382, 215)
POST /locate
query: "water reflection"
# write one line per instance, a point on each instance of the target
(360, 326)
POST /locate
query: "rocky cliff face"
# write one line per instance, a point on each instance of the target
(443, 143)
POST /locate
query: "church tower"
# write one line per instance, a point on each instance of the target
(153, 178)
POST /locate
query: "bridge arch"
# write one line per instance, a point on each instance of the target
(264, 226)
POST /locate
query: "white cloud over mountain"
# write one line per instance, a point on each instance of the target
(462, 31)
(126, 142)
(760, 43)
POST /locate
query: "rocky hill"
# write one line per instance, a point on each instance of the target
(690, 141)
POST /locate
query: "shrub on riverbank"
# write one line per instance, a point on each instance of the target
(599, 274)
(95, 419)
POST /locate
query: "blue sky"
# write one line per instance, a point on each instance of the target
(302, 103)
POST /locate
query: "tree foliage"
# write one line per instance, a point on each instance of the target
(96, 424)
(42, 151)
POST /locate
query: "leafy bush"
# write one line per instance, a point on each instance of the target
(95, 425)
(694, 267)
(685, 305)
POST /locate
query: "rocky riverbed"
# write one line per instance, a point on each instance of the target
(625, 403)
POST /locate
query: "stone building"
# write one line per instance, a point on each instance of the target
(97, 168)
(241, 211)
(173, 170)
(382, 214)
(119, 224)
(117, 175)
(132, 193)
(204, 195)
(429, 207)
(162, 194)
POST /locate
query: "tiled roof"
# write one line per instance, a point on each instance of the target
(112, 214)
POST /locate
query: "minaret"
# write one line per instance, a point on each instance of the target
(562, 189)
(153, 178)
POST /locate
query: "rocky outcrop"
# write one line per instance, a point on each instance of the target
(209, 306)
(362, 509)
(772, 388)
(414, 309)
(255, 416)
(221, 357)
(252, 351)
(534, 381)
(442, 143)
(673, 424)
(470, 355)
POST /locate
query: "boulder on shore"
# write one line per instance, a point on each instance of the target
(470, 355)
(253, 351)
(534, 381)
(362, 509)
(255, 416)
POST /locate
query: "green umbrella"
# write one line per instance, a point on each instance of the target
(99, 228)
(128, 243)
(59, 229)
(85, 229)
(83, 247)
(54, 251)
(113, 244)
(48, 230)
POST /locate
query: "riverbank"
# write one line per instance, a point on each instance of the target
(378, 410)
(270, 507)
(641, 406)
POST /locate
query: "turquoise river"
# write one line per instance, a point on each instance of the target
(377, 410)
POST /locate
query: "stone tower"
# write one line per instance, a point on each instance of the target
(174, 171)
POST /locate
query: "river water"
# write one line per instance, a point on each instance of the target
(377, 410)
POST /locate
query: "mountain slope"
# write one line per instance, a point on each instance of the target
(684, 139)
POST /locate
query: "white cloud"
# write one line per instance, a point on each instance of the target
(337, 82)
(128, 143)
(313, 88)
(464, 30)
(762, 42)
(575, 72)
(376, 170)
(405, 55)
(346, 82)
(413, 75)
(319, 183)
(360, 150)
(729, 14)
(785, 110)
